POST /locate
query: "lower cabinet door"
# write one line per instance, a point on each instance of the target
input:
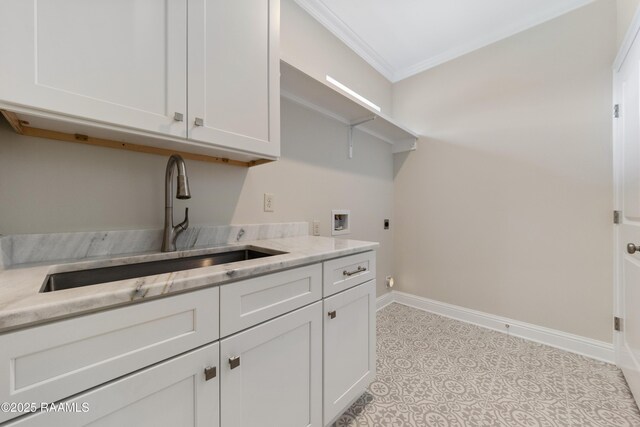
(349, 347)
(271, 374)
(182, 391)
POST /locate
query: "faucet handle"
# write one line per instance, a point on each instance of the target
(186, 218)
(184, 224)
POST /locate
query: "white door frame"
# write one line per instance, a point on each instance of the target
(618, 304)
(617, 206)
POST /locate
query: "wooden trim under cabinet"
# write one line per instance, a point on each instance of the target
(21, 127)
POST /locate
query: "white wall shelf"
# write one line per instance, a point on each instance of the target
(303, 89)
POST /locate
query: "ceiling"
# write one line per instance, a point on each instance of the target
(400, 38)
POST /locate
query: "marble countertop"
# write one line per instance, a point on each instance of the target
(22, 304)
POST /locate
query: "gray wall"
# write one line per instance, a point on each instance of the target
(506, 206)
(48, 186)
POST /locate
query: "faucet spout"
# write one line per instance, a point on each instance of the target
(172, 232)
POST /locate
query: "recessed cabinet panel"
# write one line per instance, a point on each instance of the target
(121, 62)
(271, 375)
(249, 302)
(53, 361)
(234, 81)
(349, 347)
(170, 394)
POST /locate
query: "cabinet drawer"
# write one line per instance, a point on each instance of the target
(249, 302)
(343, 273)
(169, 394)
(51, 362)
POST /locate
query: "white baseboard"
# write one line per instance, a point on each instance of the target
(595, 349)
(384, 300)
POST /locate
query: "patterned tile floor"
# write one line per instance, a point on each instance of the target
(434, 371)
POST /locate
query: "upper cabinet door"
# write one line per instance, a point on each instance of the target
(234, 74)
(121, 62)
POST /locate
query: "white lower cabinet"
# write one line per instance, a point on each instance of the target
(285, 357)
(51, 362)
(170, 394)
(349, 347)
(271, 374)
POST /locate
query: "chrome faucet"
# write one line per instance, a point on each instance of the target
(172, 232)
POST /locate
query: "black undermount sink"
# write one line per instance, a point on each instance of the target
(76, 279)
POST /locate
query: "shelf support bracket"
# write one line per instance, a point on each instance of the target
(353, 125)
(409, 144)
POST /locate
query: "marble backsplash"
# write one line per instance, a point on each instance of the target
(36, 248)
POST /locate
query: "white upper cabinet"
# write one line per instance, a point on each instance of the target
(199, 76)
(234, 89)
(120, 62)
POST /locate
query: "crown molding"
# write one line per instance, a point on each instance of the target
(335, 25)
(489, 39)
(321, 13)
(627, 42)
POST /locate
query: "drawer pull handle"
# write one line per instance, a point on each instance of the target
(332, 314)
(234, 362)
(351, 273)
(210, 373)
(178, 117)
(198, 121)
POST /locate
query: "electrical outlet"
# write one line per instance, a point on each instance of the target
(268, 202)
(315, 228)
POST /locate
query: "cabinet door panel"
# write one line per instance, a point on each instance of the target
(120, 61)
(172, 393)
(278, 380)
(349, 347)
(51, 362)
(234, 74)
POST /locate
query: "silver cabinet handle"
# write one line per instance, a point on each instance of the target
(332, 314)
(351, 273)
(210, 373)
(178, 117)
(198, 121)
(632, 249)
(234, 362)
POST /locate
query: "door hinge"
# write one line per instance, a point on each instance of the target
(616, 111)
(617, 324)
(616, 217)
